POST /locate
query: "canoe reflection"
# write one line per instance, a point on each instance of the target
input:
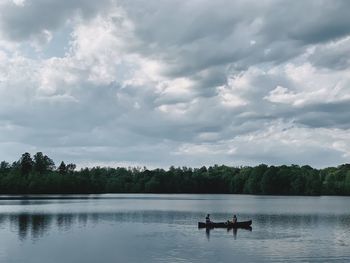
(234, 231)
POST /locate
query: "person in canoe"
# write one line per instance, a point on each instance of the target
(234, 219)
(207, 219)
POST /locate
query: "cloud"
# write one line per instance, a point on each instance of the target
(291, 145)
(32, 20)
(218, 35)
(174, 82)
(334, 55)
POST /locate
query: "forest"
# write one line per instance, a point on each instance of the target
(38, 174)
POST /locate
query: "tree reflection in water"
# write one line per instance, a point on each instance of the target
(35, 225)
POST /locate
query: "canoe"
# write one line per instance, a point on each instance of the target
(243, 224)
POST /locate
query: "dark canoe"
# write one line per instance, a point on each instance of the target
(243, 224)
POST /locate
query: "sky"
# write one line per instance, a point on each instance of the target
(184, 83)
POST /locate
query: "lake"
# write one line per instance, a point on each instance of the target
(163, 228)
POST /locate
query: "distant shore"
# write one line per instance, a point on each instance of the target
(39, 175)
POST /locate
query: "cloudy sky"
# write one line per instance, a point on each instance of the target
(160, 83)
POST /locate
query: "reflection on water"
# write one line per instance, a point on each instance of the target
(229, 230)
(164, 229)
(35, 225)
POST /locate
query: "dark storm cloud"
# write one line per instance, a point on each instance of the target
(215, 37)
(30, 20)
(324, 21)
(332, 56)
(308, 21)
(327, 115)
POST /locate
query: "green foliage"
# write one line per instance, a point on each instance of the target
(26, 164)
(39, 176)
(62, 169)
(43, 163)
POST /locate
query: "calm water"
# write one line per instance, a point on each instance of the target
(163, 228)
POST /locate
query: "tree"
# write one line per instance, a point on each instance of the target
(62, 169)
(71, 167)
(269, 182)
(347, 183)
(330, 185)
(253, 184)
(152, 186)
(4, 167)
(26, 163)
(42, 163)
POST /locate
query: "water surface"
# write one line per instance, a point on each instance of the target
(163, 228)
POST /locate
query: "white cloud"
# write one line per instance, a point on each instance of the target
(279, 143)
(19, 2)
(229, 98)
(311, 85)
(282, 95)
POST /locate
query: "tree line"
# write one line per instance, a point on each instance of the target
(39, 175)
